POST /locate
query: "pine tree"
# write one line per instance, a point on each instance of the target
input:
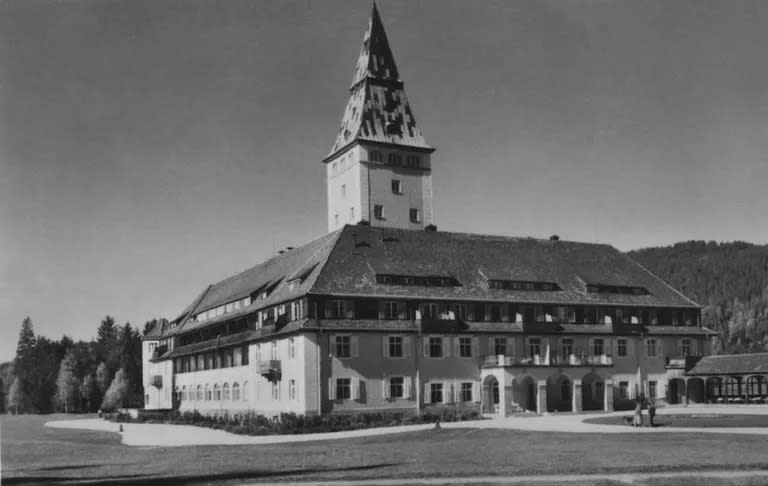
(24, 367)
(107, 332)
(68, 384)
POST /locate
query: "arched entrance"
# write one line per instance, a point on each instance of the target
(676, 390)
(714, 389)
(696, 393)
(491, 396)
(732, 388)
(559, 394)
(592, 392)
(526, 393)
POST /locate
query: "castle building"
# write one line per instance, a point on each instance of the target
(386, 312)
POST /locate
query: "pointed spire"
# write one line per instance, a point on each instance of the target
(376, 60)
(378, 110)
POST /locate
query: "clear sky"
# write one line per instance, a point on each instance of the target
(149, 148)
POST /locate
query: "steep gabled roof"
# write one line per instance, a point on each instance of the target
(378, 110)
(731, 364)
(470, 258)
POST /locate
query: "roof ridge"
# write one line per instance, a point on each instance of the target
(660, 280)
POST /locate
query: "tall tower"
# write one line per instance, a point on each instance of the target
(379, 169)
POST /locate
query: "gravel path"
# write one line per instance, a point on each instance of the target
(166, 435)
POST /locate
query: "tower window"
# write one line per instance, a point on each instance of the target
(336, 219)
(352, 215)
(415, 215)
(397, 186)
(343, 190)
(375, 156)
(395, 159)
(378, 211)
(412, 161)
(334, 168)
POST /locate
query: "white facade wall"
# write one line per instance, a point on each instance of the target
(156, 398)
(345, 207)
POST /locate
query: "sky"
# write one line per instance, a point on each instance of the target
(150, 148)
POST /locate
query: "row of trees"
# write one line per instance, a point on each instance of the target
(730, 281)
(67, 376)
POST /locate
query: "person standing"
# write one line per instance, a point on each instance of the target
(651, 412)
(638, 413)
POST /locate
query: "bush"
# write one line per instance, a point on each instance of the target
(251, 423)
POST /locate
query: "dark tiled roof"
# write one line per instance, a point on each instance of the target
(378, 110)
(351, 269)
(731, 364)
(305, 260)
(679, 331)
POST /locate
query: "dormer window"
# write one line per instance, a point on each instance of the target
(294, 284)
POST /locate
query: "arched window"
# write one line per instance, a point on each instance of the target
(755, 385)
(225, 388)
(184, 394)
(146, 398)
(199, 393)
(235, 392)
(565, 388)
(245, 391)
(208, 396)
(178, 393)
(216, 392)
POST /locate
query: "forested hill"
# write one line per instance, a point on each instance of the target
(730, 280)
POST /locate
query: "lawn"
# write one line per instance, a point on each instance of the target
(697, 420)
(34, 454)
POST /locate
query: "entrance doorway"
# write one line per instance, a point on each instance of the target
(592, 392)
(491, 395)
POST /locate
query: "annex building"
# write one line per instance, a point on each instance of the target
(386, 312)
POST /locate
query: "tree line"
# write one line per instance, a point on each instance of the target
(67, 376)
(729, 281)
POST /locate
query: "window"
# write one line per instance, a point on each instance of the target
(395, 159)
(397, 186)
(275, 351)
(412, 161)
(297, 310)
(499, 346)
(395, 346)
(291, 389)
(339, 309)
(235, 392)
(459, 311)
(343, 346)
(292, 348)
(685, 347)
(597, 347)
(466, 391)
(378, 211)
(652, 388)
(226, 392)
(435, 347)
(336, 219)
(567, 348)
(397, 387)
(621, 347)
(465, 347)
(343, 388)
(429, 310)
(534, 346)
(343, 190)
(393, 310)
(216, 392)
(435, 393)
(651, 348)
(375, 156)
(200, 396)
(351, 215)
(415, 215)
(275, 391)
(623, 390)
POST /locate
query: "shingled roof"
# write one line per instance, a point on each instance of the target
(346, 263)
(362, 252)
(731, 364)
(377, 110)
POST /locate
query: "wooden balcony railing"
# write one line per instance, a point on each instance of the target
(555, 361)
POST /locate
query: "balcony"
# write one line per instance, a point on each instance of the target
(156, 381)
(554, 361)
(269, 369)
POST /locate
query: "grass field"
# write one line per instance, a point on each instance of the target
(34, 454)
(698, 420)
